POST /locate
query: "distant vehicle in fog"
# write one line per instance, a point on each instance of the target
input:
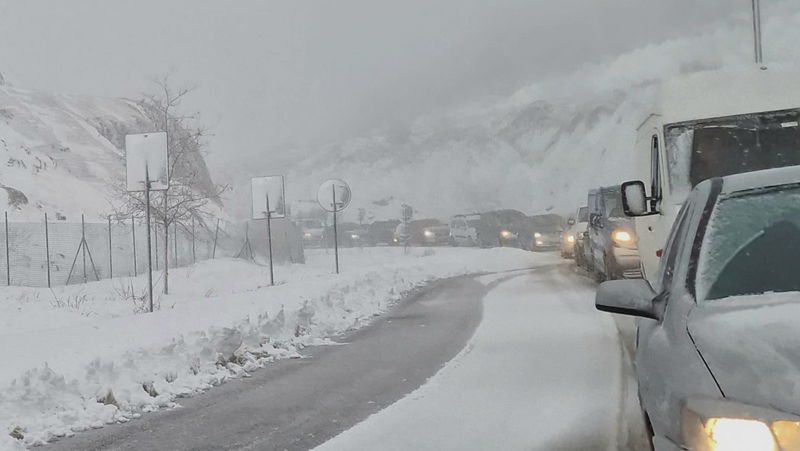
(572, 241)
(701, 129)
(420, 226)
(436, 235)
(717, 359)
(464, 230)
(547, 231)
(382, 232)
(504, 228)
(611, 237)
(313, 231)
(311, 220)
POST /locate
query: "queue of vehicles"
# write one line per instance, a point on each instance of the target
(716, 223)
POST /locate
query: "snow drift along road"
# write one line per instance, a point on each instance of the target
(69, 357)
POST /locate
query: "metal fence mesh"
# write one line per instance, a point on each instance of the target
(90, 251)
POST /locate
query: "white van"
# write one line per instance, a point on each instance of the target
(709, 124)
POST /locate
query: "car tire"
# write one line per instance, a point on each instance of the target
(453, 242)
(470, 243)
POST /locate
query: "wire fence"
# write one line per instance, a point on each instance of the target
(56, 253)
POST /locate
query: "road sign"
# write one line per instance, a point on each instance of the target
(330, 188)
(408, 213)
(146, 158)
(272, 188)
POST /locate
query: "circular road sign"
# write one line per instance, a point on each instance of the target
(325, 195)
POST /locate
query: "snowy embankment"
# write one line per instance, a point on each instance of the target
(79, 357)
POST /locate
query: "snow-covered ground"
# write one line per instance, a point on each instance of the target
(66, 351)
(544, 371)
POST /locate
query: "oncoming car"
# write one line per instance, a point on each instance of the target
(717, 357)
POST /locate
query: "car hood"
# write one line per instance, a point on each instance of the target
(752, 347)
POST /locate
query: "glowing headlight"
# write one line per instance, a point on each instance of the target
(537, 235)
(354, 236)
(505, 234)
(733, 434)
(429, 234)
(570, 239)
(394, 239)
(307, 235)
(622, 236)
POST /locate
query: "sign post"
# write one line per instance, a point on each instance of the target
(271, 191)
(147, 169)
(334, 196)
(408, 213)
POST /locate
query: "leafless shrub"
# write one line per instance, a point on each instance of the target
(73, 301)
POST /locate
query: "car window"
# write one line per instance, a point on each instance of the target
(669, 257)
(752, 245)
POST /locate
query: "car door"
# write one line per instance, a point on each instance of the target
(666, 360)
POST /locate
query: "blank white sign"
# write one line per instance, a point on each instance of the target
(271, 186)
(146, 156)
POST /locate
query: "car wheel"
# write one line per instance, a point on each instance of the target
(470, 243)
(453, 242)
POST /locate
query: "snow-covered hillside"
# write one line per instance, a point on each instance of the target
(545, 146)
(61, 152)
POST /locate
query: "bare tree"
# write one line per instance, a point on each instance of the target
(190, 190)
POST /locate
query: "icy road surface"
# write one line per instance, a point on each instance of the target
(541, 369)
(544, 371)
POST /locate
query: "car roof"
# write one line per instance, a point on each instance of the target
(760, 179)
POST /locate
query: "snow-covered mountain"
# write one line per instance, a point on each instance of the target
(61, 153)
(542, 148)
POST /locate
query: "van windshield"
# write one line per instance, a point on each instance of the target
(701, 150)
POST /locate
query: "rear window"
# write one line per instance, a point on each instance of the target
(613, 200)
(752, 245)
(583, 214)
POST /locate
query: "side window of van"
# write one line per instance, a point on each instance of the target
(655, 166)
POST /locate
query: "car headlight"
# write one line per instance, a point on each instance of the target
(429, 234)
(735, 434)
(537, 235)
(505, 234)
(307, 235)
(570, 239)
(354, 236)
(622, 237)
(718, 425)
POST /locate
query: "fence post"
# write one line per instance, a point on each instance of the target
(110, 247)
(175, 239)
(83, 247)
(47, 248)
(133, 234)
(216, 234)
(155, 235)
(8, 256)
(194, 248)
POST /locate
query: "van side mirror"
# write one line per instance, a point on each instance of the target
(595, 220)
(635, 201)
(570, 222)
(629, 297)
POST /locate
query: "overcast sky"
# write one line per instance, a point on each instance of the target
(270, 72)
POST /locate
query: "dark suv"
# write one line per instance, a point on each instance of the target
(611, 237)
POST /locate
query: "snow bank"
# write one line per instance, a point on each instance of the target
(78, 357)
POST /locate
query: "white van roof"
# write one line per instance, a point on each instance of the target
(729, 92)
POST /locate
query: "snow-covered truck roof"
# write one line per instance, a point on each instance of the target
(730, 92)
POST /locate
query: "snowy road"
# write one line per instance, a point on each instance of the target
(298, 404)
(542, 370)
